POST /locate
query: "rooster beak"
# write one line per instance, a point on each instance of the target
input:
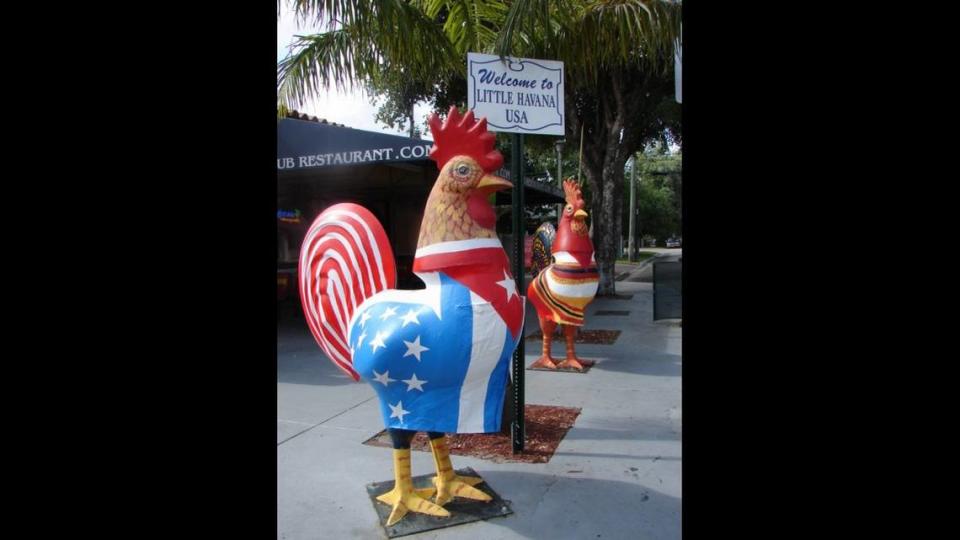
(490, 183)
(580, 214)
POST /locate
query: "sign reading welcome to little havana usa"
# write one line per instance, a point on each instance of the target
(516, 95)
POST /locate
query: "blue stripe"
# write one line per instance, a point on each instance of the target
(496, 386)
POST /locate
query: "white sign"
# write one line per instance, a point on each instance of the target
(516, 95)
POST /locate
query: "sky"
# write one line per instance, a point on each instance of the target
(352, 109)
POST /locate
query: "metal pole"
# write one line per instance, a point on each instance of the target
(519, 241)
(631, 243)
(559, 145)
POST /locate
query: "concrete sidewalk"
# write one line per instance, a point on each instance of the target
(642, 271)
(616, 474)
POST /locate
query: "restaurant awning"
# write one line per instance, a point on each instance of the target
(304, 146)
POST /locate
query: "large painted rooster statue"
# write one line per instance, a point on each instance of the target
(437, 357)
(561, 291)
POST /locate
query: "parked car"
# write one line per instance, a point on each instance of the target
(673, 242)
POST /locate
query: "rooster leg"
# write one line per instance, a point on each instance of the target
(403, 498)
(450, 484)
(546, 361)
(570, 332)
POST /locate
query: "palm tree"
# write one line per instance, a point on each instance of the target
(617, 54)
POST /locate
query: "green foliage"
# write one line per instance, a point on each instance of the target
(657, 214)
(398, 93)
(365, 43)
(593, 37)
(659, 181)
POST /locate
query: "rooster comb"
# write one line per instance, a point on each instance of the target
(572, 191)
(463, 136)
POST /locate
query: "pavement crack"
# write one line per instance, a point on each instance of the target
(295, 435)
(543, 495)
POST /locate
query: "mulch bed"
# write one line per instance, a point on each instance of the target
(596, 337)
(545, 427)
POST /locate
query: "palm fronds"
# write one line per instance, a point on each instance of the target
(361, 39)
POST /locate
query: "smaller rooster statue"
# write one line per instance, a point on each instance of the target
(561, 291)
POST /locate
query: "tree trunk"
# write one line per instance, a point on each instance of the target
(613, 128)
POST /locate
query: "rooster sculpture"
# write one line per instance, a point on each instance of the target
(437, 357)
(561, 291)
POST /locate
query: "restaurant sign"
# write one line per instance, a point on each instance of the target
(353, 157)
(306, 145)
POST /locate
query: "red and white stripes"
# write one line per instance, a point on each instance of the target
(345, 258)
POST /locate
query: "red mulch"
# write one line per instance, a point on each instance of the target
(597, 337)
(545, 426)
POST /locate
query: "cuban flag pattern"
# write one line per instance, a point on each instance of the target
(439, 357)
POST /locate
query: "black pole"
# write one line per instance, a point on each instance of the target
(519, 237)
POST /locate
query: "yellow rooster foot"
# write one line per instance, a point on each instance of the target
(459, 486)
(544, 362)
(571, 363)
(403, 500)
(450, 484)
(403, 497)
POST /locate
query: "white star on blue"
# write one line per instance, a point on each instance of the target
(396, 344)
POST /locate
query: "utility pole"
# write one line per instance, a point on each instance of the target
(631, 243)
(559, 144)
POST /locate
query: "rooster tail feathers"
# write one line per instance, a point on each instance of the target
(542, 242)
(345, 258)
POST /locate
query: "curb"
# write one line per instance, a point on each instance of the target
(623, 275)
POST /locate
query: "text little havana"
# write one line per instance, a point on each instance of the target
(523, 99)
(355, 156)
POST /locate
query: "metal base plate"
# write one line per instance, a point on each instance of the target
(461, 510)
(587, 364)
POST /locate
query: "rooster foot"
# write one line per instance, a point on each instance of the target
(459, 486)
(544, 362)
(571, 363)
(403, 500)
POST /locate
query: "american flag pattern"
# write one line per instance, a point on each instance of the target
(439, 357)
(345, 258)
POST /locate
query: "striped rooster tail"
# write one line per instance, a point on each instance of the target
(542, 241)
(345, 259)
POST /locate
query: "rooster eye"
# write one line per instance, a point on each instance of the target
(569, 209)
(462, 170)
